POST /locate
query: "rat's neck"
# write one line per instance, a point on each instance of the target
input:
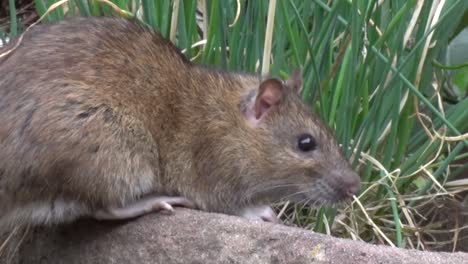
(196, 160)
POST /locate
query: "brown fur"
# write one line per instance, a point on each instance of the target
(100, 112)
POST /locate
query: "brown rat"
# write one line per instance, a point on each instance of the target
(102, 117)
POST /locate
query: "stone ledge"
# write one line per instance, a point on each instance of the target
(190, 236)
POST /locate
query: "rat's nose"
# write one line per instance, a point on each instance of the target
(352, 184)
(345, 183)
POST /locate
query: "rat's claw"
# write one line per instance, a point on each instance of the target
(165, 203)
(163, 206)
(146, 205)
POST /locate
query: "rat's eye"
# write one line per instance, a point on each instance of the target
(306, 143)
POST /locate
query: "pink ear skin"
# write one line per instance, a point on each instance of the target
(295, 81)
(270, 93)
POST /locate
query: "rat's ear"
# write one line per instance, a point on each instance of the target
(295, 81)
(270, 93)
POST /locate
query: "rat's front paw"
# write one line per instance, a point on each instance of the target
(262, 213)
(144, 206)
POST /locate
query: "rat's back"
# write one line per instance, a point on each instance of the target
(86, 50)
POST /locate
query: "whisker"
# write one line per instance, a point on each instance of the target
(271, 187)
(293, 194)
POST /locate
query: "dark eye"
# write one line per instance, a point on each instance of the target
(306, 142)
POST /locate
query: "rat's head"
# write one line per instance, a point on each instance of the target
(287, 151)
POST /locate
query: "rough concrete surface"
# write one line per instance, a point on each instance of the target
(190, 236)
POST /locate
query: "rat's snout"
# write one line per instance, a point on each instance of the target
(347, 183)
(351, 183)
